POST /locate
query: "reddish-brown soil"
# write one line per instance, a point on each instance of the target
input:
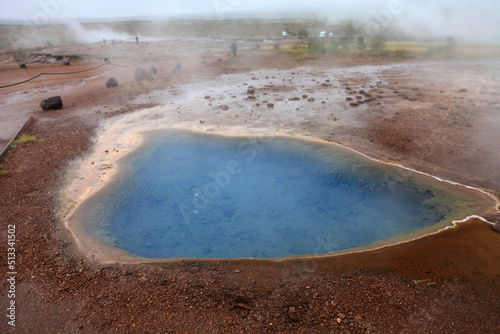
(443, 283)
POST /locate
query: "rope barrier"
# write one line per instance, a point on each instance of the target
(60, 73)
(125, 65)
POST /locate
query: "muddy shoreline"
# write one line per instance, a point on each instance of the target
(446, 282)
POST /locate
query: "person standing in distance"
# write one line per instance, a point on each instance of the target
(233, 48)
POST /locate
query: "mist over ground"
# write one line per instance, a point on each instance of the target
(424, 20)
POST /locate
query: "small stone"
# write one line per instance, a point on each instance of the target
(207, 97)
(311, 99)
(106, 151)
(250, 91)
(463, 90)
(304, 96)
(112, 82)
(152, 70)
(354, 103)
(251, 97)
(359, 97)
(23, 66)
(237, 271)
(341, 315)
(339, 320)
(294, 99)
(348, 98)
(270, 105)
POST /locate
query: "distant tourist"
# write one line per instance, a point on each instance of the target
(113, 42)
(233, 48)
(104, 41)
(137, 40)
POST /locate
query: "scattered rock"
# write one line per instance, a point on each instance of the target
(496, 226)
(23, 66)
(177, 66)
(152, 70)
(348, 98)
(251, 97)
(294, 99)
(463, 90)
(354, 103)
(311, 99)
(257, 104)
(66, 63)
(202, 121)
(223, 107)
(292, 313)
(203, 61)
(112, 82)
(53, 103)
(270, 105)
(304, 96)
(359, 97)
(220, 59)
(250, 90)
(326, 84)
(207, 97)
(140, 74)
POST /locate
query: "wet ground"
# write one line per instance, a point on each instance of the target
(440, 117)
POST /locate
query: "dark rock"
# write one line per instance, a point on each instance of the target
(496, 226)
(251, 97)
(270, 105)
(304, 96)
(52, 103)
(311, 99)
(223, 107)
(348, 98)
(354, 103)
(112, 82)
(152, 70)
(250, 91)
(359, 97)
(23, 66)
(140, 74)
(294, 99)
(66, 63)
(207, 97)
(463, 90)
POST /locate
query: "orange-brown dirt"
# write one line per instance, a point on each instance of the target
(443, 283)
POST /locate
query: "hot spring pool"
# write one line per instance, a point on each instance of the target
(197, 195)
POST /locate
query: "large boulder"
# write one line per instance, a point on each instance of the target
(52, 103)
(141, 74)
(112, 82)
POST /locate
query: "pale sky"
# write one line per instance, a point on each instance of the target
(462, 18)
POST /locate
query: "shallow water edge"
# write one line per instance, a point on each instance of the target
(102, 252)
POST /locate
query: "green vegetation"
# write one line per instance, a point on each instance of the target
(23, 139)
(3, 171)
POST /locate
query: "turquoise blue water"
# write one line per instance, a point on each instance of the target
(186, 194)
